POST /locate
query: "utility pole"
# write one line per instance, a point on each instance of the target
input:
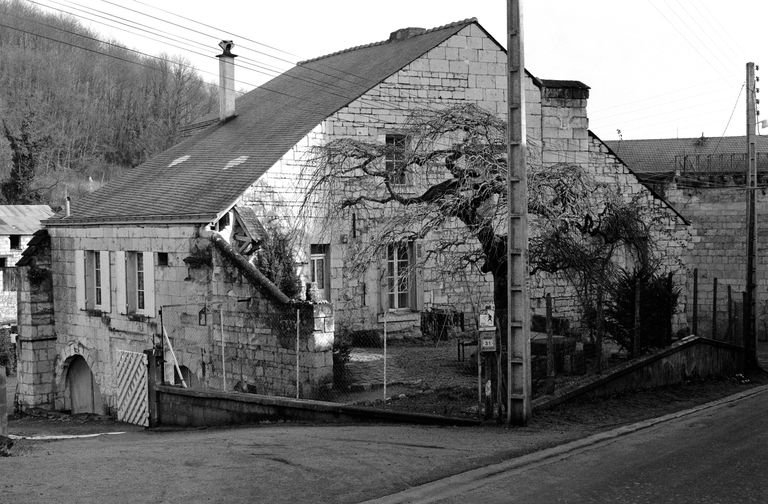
(518, 323)
(750, 311)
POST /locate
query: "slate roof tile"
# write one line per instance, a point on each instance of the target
(270, 120)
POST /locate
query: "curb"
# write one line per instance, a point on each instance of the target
(468, 480)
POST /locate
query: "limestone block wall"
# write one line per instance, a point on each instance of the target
(720, 251)
(36, 342)
(469, 67)
(54, 330)
(674, 238)
(259, 339)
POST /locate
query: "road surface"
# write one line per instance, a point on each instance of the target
(718, 455)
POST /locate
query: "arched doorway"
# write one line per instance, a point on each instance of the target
(82, 391)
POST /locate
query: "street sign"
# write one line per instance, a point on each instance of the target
(488, 342)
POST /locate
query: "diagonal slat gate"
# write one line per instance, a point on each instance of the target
(132, 399)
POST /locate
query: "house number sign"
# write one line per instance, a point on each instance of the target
(488, 342)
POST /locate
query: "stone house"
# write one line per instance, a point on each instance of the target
(17, 225)
(179, 233)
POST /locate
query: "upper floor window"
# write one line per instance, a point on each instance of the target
(15, 242)
(395, 159)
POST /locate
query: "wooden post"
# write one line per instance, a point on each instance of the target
(152, 379)
(599, 331)
(3, 405)
(695, 311)
(550, 349)
(730, 315)
(714, 308)
(636, 332)
(298, 333)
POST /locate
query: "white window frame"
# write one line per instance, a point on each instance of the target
(136, 287)
(399, 272)
(92, 280)
(319, 265)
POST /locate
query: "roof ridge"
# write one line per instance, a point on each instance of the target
(382, 42)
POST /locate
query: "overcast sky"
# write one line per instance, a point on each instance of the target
(657, 68)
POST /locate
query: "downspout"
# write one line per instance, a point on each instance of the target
(246, 268)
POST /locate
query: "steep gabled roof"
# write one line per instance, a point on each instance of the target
(660, 155)
(22, 219)
(200, 177)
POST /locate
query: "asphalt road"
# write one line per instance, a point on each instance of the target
(718, 455)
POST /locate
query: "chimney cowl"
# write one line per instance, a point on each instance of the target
(405, 33)
(226, 47)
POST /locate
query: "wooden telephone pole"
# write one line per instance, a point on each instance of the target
(750, 311)
(518, 323)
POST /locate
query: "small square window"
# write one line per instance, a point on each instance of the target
(3, 262)
(15, 242)
(162, 258)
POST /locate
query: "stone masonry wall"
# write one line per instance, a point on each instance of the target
(468, 67)
(259, 338)
(36, 342)
(720, 252)
(178, 288)
(673, 237)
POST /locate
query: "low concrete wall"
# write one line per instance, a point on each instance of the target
(176, 406)
(691, 358)
(197, 408)
(3, 404)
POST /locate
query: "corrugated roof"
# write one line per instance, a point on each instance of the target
(203, 175)
(661, 155)
(22, 219)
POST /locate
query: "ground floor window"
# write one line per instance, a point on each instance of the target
(399, 275)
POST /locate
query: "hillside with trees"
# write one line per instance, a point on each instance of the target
(75, 110)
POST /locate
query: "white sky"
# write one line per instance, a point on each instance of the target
(657, 68)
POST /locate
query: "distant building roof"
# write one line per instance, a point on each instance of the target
(204, 175)
(688, 155)
(22, 219)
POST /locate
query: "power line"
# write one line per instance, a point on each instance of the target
(381, 103)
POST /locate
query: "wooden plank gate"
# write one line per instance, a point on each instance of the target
(132, 398)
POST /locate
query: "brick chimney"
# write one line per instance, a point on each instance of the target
(226, 80)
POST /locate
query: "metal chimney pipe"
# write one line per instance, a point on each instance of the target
(226, 80)
(66, 207)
